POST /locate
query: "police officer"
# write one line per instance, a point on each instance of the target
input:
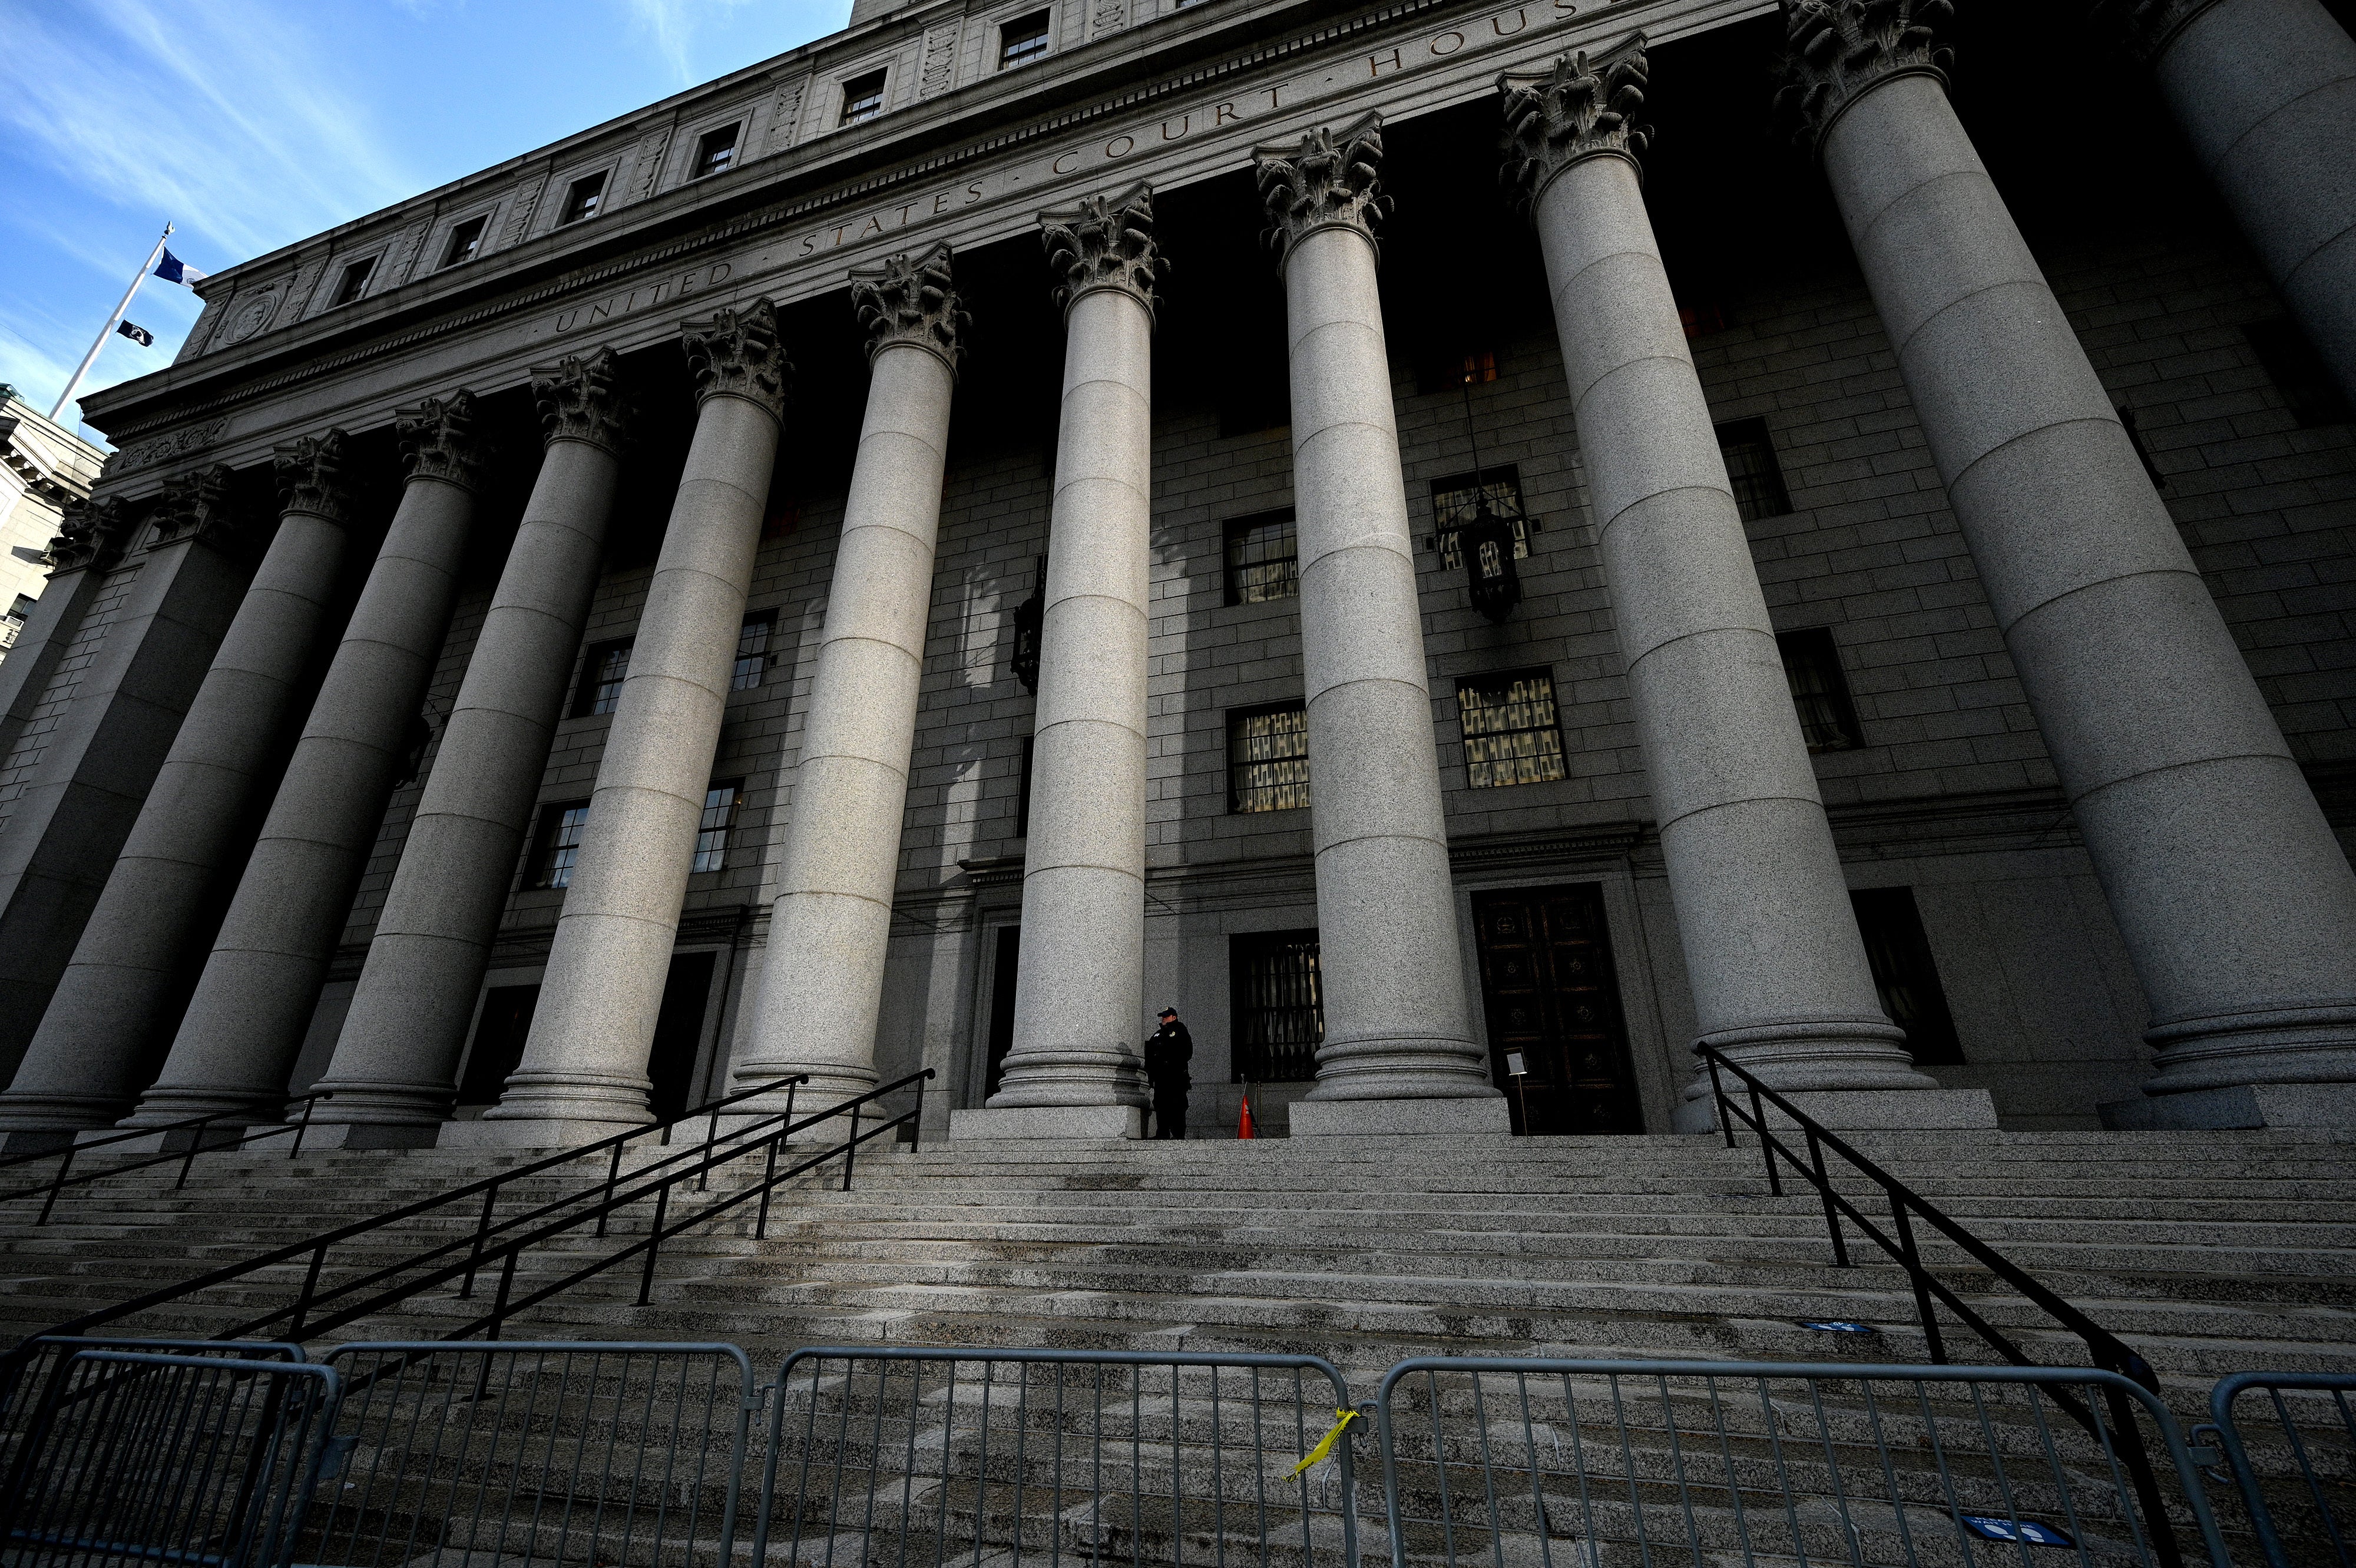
(1167, 1051)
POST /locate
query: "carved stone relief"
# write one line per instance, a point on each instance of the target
(647, 168)
(528, 189)
(1105, 242)
(249, 313)
(785, 113)
(164, 449)
(939, 72)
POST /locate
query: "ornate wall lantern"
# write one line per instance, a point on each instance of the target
(1486, 543)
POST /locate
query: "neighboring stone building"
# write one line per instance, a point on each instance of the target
(1767, 557)
(44, 467)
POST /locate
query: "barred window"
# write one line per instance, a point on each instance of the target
(583, 198)
(721, 804)
(1512, 734)
(1277, 1013)
(752, 649)
(464, 241)
(1819, 689)
(1263, 558)
(1023, 40)
(863, 98)
(602, 670)
(1455, 499)
(355, 280)
(1751, 469)
(557, 845)
(1268, 758)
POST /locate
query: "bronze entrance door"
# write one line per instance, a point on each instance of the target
(1548, 987)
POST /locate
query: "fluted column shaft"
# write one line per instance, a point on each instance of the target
(85, 1065)
(584, 1066)
(1079, 993)
(396, 1061)
(1398, 1055)
(2265, 91)
(252, 1005)
(2238, 906)
(823, 979)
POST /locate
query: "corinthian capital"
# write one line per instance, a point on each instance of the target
(310, 472)
(1327, 181)
(1575, 111)
(438, 440)
(1838, 50)
(582, 400)
(909, 300)
(1106, 242)
(198, 505)
(736, 353)
(2146, 27)
(90, 533)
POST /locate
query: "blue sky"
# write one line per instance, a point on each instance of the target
(251, 124)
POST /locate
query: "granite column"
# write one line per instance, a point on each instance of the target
(823, 979)
(1399, 1055)
(1075, 1068)
(1773, 954)
(86, 1063)
(396, 1061)
(238, 1038)
(2237, 904)
(585, 1065)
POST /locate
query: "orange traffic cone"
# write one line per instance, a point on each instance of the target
(1244, 1126)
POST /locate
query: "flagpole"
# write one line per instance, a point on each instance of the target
(107, 331)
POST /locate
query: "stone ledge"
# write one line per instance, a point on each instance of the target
(535, 1133)
(1866, 1111)
(1401, 1118)
(1062, 1123)
(2317, 1105)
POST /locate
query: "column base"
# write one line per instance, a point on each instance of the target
(1862, 1111)
(528, 1132)
(2331, 1105)
(1067, 1122)
(1472, 1117)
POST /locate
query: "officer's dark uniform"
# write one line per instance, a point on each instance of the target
(1167, 1051)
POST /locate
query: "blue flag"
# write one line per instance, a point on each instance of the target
(171, 269)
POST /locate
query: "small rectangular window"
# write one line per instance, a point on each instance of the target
(582, 197)
(1263, 558)
(1456, 497)
(602, 670)
(355, 280)
(1268, 758)
(557, 846)
(1023, 40)
(752, 649)
(1819, 689)
(1277, 1012)
(863, 98)
(1513, 734)
(1751, 469)
(464, 240)
(2297, 372)
(1898, 953)
(715, 152)
(721, 804)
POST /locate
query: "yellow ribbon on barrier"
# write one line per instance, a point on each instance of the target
(1325, 1444)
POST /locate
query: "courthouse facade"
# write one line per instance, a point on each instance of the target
(1467, 545)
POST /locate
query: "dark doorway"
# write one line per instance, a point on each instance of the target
(1001, 1007)
(679, 1033)
(1546, 982)
(500, 1035)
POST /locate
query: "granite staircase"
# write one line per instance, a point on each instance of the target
(2207, 1253)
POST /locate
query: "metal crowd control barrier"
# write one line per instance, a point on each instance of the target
(1528, 1464)
(146, 1457)
(22, 1381)
(513, 1451)
(918, 1459)
(2305, 1430)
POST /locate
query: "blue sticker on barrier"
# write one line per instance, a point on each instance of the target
(1834, 1326)
(1995, 1526)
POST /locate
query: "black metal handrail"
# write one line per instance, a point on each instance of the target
(2104, 1349)
(486, 1186)
(276, 1104)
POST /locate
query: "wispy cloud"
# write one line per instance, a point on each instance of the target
(672, 25)
(248, 138)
